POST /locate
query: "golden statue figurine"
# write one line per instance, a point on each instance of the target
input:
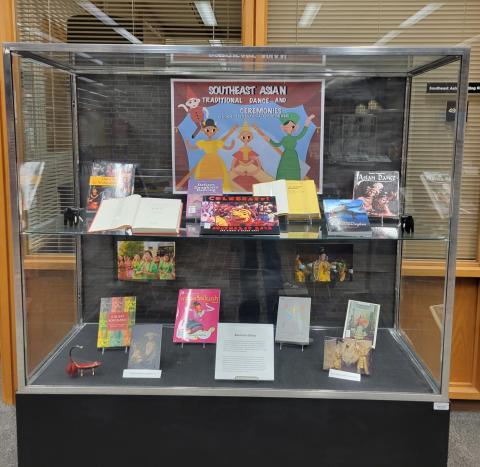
(299, 270)
(321, 268)
(337, 361)
(362, 363)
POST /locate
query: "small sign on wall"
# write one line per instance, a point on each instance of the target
(448, 88)
(451, 111)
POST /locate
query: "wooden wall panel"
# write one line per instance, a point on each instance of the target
(465, 365)
(7, 325)
(417, 321)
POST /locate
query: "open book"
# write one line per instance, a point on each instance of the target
(296, 199)
(141, 215)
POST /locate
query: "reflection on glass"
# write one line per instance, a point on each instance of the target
(30, 174)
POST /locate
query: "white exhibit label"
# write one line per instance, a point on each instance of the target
(142, 373)
(348, 375)
(244, 352)
(441, 406)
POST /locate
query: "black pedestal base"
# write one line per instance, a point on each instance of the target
(152, 431)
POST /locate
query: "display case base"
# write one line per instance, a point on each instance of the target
(149, 431)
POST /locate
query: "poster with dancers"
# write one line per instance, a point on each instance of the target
(246, 132)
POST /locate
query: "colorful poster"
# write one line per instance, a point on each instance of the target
(246, 132)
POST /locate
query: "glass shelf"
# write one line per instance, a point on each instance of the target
(292, 231)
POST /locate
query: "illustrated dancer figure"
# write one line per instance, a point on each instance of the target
(289, 165)
(192, 326)
(246, 167)
(197, 112)
(211, 165)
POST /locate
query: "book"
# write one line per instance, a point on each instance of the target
(145, 348)
(117, 317)
(379, 192)
(145, 261)
(346, 217)
(141, 215)
(361, 322)
(297, 199)
(293, 320)
(239, 215)
(109, 180)
(197, 315)
(347, 354)
(197, 189)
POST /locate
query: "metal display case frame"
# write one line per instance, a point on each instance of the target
(65, 57)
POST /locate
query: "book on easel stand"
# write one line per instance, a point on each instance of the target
(293, 321)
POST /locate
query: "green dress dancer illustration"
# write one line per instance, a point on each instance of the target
(289, 166)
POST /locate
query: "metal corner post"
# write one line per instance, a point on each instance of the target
(461, 119)
(17, 265)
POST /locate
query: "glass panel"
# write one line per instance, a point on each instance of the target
(50, 296)
(431, 137)
(102, 59)
(422, 309)
(125, 117)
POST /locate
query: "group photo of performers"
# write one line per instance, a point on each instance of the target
(146, 261)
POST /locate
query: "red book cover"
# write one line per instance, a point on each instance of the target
(237, 214)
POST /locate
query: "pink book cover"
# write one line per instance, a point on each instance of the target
(197, 316)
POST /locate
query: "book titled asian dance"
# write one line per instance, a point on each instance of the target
(236, 214)
(379, 192)
(197, 316)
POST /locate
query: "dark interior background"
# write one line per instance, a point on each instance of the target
(127, 119)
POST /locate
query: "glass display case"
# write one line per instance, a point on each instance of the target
(350, 115)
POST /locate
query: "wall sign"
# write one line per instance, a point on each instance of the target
(447, 88)
(246, 132)
(451, 111)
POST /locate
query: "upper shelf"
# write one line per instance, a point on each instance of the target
(292, 231)
(208, 60)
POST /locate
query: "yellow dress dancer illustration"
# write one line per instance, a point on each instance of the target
(211, 165)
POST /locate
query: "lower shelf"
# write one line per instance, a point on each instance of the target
(193, 367)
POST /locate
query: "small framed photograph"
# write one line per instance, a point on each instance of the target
(361, 322)
(145, 260)
(348, 354)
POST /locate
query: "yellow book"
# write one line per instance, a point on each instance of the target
(296, 199)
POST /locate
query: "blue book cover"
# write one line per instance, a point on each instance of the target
(346, 217)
